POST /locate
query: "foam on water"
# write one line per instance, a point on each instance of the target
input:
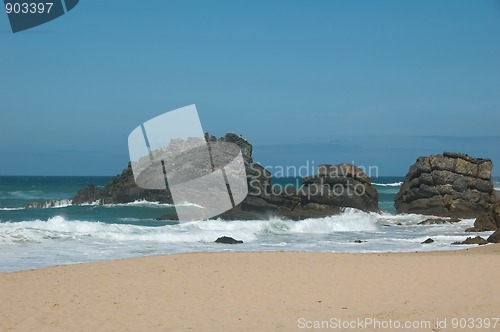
(74, 240)
(61, 232)
(53, 204)
(394, 184)
(138, 203)
(195, 231)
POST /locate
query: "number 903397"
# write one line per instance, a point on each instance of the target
(28, 8)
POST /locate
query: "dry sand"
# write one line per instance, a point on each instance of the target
(268, 291)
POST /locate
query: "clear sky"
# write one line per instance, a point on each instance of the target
(374, 82)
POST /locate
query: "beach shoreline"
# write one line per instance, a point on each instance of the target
(258, 291)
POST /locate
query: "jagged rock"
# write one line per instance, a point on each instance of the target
(121, 189)
(495, 237)
(334, 188)
(429, 240)
(488, 221)
(447, 185)
(476, 240)
(228, 240)
(438, 221)
(342, 185)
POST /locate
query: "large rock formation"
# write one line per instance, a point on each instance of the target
(447, 185)
(495, 237)
(120, 189)
(487, 221)
(334, 188)
(341, 185)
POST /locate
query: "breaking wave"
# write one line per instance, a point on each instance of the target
(59, 227)
(394, 184)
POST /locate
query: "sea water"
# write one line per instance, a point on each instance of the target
(63, 233)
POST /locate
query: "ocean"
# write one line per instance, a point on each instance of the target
(62, 233)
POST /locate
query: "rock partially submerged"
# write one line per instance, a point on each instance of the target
(428, 241)
(447, 185)
(343, 185)
(438, 221)
(228, 240)
(495, 237)
(334, 188)
(320, 196)
(487, 221)
(120, 189)
(472, 240)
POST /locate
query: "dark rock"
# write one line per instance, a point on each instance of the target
(495, 237)
(476, 240)
(228, 240)
(359, 241)
(334, 188)
(121, 189)
(447, 185)
(488, 221)
(316, 198)
(438, 221)
(342, 185)
(429, 240)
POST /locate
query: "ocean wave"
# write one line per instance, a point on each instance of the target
(343, 227)
(394, 184)
(138, 203)
(53, 204)
(11, 208)
(205, 231)
(413, 219)
(144, 203)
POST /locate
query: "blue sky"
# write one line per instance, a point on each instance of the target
(374, 82)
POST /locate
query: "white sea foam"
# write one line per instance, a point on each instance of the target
(53, 204)
(394, 184)
(59, 227)
(11, 208)
(144, 203)
(62, 240)
(138, 203)
(351, 221)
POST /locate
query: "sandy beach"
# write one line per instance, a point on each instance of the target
(267, 291)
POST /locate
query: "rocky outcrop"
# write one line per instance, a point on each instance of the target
(342, 185)
(228, 240)
(123, 188)
(438, 221)
(472, 240)
(495, 237)
(487, 221)
(334, 188)
(120, 189)
(447, 185)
